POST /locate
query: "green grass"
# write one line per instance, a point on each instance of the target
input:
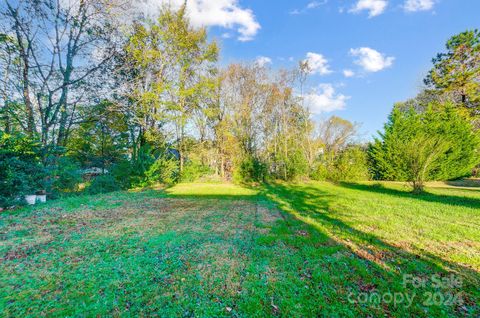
(308, 249)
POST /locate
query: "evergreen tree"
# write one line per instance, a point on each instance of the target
(438, 144)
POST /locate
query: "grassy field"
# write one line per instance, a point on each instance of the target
(308, 249)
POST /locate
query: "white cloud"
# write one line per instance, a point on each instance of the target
(371, 60)
(324, 100)
(317, 64)
(263, 61)
(315, 4)
(374, 7)
(310, 6)
(348, 73)
(418, 5)
(222, 13)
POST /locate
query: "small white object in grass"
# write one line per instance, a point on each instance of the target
(42, 198)
(31, 198)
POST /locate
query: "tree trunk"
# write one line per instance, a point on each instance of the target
(6, 118)
(28, 103)
(62, 130)
(222, 166)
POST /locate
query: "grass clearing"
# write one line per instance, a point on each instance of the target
(307, 249)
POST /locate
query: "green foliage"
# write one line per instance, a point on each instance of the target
(101, 138)
(456, 72)
(125, 174)
(103, 184)
(131, 173)
(163, 170)
(438, 144)
(321, 170)
(250, 169)
(149, 167)
(296, 164)
(21, 171)
(65, 176)
(350, 164)
(194, 170)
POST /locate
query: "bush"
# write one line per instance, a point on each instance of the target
(350, 164)
(125, 174)
(65, 176)
(103, 184)
(21, 171)
(149, 167)
(250, 170)
(194, 170)
(321, 170)
(296, 164)
(163, 170)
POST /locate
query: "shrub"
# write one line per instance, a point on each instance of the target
(320, 172)
(250, 169)
(125, 174)
(21, 171)
(163, 170)
(296, 164)
(103, 184)
(194, 170)
(65, 176)
(350, 164)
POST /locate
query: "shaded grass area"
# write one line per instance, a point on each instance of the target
(399, 234)
(311, 249)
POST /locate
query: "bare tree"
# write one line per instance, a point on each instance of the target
(62, 46)
(335, 133)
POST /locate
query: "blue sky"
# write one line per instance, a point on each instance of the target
(387, 44)
(332, 29)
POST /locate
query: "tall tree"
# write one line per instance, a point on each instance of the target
(172, 71)
(456, 72)
(192, 70)
(61, 45)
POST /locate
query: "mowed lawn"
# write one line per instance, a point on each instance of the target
(307, 249)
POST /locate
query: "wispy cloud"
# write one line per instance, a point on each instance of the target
(348, 73)
(418, 5)
(263, 61)
(374, 7)
(310, 6)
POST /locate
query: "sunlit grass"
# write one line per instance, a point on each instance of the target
(444, 222)
(225, 250)
(210, 189)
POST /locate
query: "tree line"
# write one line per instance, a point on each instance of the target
(89, 89)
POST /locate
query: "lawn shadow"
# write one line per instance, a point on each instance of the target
(471, 183)
(426, 196)
(311, 205)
